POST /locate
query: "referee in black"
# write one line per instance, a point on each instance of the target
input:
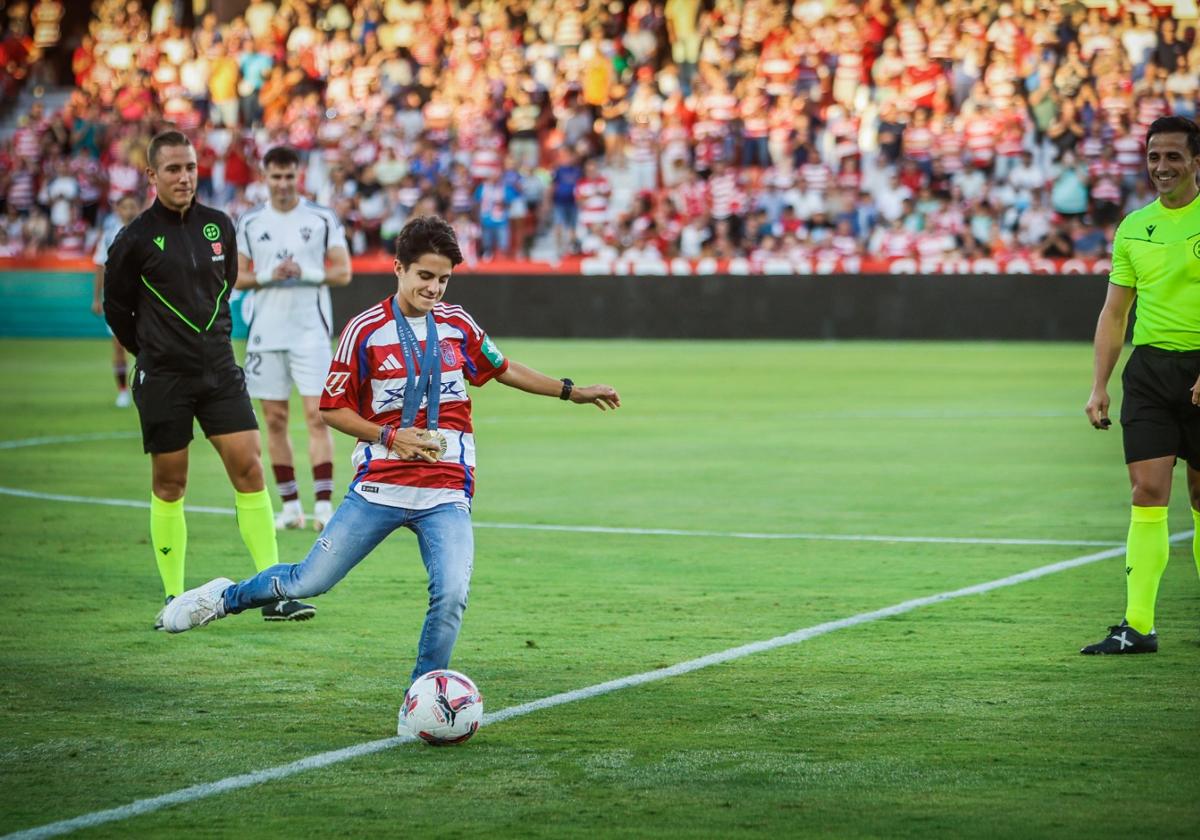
(166, 297)
(1156, 261)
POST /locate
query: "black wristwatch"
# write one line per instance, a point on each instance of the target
(566, 391)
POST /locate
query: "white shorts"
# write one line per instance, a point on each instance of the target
(270, 374)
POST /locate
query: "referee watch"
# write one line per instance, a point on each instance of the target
(568, 385)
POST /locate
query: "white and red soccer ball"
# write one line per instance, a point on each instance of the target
(442, 708)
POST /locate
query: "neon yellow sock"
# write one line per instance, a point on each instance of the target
(256, 521)
(1145, 559)
(168, 534)
(1196, 538)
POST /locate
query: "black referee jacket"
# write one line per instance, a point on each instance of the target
(166, 288)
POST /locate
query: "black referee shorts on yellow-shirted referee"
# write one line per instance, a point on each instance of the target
(1157, 415)
(168, 403)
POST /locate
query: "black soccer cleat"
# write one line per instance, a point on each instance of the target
(1122, 638)
(158, 619)
(288, 611)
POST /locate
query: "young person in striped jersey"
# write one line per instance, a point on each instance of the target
(290, 251)
(398, 384)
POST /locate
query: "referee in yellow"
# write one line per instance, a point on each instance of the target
(1156, 260)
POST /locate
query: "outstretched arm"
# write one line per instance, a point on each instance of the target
(527, 379)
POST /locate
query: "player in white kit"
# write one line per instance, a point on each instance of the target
(126, 209)
(290, 251)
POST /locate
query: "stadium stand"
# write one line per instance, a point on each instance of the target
(643, 136)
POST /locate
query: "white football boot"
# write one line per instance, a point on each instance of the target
(196, 607)
(291, 517)
(322, 513)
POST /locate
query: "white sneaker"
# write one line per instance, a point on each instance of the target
(322, 513)
(124, 398)
(196, 607)
(292, 516)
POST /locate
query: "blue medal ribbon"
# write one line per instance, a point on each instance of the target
(429, 384)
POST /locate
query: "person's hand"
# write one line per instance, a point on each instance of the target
(97, 307)
(414, 444)
(603, 397)
(286, 270)
(1097, 407)
(1196, 393)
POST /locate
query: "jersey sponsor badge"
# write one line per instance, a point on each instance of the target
(212, 232)
(216, 246)
(492, 351)
(335, 385)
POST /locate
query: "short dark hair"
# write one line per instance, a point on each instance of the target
(281, 156)
(427, 235)
(1176, 124)
(163, 139)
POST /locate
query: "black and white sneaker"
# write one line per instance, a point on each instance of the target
(158, 619)
(1122, 638)
(288, 611)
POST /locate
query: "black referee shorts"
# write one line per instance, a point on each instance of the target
(168, 403)
(1157, 415)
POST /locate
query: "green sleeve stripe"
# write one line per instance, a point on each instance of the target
(167, 304)
(217, 307)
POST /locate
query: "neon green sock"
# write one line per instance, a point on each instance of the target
(1196, 538)
(168, 534)
(1145, 559)
(256, 521)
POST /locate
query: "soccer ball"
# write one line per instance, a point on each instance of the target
(441, 708)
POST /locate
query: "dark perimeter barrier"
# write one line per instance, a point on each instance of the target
(1038, 307)
(1033, 307)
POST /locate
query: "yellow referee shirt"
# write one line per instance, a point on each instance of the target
(1156, 252)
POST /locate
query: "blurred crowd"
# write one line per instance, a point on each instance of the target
(611, 129)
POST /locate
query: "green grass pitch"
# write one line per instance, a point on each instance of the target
(974, 717)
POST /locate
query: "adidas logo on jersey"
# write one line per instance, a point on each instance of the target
(266, 237)
(391, 363)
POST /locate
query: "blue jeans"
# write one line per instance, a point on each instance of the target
(447, 546)
(494, 239)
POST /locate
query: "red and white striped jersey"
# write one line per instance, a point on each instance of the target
(980, 131)
(27, 143)
(691, 199)
(721, 106)
(725, 195)
(755, 119)
(1128, 149)
(1091, 146)
(367, 376)
(1105, 169)
(816, 176)
(486, 163)
(591, 196)
(918, 143)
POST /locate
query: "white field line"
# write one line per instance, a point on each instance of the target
(604, 529)
(202, 791)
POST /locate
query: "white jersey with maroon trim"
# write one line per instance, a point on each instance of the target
(289, 314)
(368, 377)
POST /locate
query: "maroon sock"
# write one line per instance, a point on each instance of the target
(285, 477)
(323, 481)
